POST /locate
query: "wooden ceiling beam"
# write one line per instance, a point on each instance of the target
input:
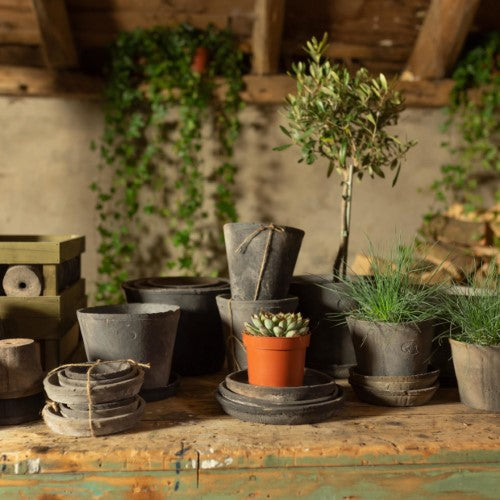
(57, 40)
(266, 36)
(441, 39)
(36, 82)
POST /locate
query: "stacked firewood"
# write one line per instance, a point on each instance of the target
(453, 247)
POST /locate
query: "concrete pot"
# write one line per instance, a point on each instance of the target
(331, 348)
(391, 348)
(249, 251)
(234, 314)
(478, 373)
(199, 345)
(142, 332)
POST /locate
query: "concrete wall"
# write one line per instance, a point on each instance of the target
(46, 167)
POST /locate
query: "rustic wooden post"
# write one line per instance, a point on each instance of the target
(441, 39)
(266, 37)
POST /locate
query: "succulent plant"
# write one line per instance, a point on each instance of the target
(266, 324)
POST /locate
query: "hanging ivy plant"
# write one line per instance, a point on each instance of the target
(158, 98)
(473, 111)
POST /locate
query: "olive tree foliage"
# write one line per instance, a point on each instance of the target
(344, 119)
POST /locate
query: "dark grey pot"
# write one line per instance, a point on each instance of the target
(234, 314)
(142, 332)
(331, 348)
(391, 348)
(478, 372)
(245, 265)
(199, 345)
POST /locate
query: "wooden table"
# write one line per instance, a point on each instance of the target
(186, 446)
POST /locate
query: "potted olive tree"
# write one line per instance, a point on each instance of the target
(343, 119)
(474, 316)
(276, 348)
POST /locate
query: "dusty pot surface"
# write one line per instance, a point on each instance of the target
(478, 373)
(331, 348)
(276, 361)
(234, 314)
(142, 332)
(261, 259)
(199, 345)
(391, 348)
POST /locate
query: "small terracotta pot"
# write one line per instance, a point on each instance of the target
(276, 361)
(200, 60)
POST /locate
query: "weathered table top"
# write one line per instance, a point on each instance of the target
(188, 445)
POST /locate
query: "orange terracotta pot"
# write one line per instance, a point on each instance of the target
(276, 361)
(200, 60)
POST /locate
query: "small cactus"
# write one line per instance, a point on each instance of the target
(266, 324)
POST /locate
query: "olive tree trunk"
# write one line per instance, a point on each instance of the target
(340, 264)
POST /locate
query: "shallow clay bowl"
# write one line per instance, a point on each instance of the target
(101, 426)
(265, 403)
(66, 381)
(283, 414)
(102, 371)
(100, 406)
(101, 393)
(392, 383)
(413, 397)
(128, 407)
(316, 385)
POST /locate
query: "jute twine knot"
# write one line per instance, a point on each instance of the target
(91, 367)
(244, 245)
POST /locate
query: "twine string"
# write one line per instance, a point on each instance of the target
(244, 245)
(233, 339)
(89, 386)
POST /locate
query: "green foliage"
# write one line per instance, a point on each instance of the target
(343, 118)
(155, 107)
(474, 314)
(393, 294)
(475, 117)
(266, 324)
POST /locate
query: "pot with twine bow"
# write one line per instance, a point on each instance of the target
(261, 259)
(142, 332)
(234, 314)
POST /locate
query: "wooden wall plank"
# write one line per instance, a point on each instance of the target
(57, 41)
(441, 39)
(266, 36)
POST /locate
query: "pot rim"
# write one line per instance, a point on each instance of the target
(141, 285)
(226, 297)
(256, 225)
(351, 318)
(276, 343)
(139, 310)
(461, 343)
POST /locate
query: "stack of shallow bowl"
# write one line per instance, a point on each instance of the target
(317, 400)
(403, 390)
(111, 393)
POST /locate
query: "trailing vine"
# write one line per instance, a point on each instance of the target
(473, 111)
(157, 102)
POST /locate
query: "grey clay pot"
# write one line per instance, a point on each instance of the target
(142, 332)
(234, 314)
(478, 374)
(199, 345)
(245, 262)
(331, 348)
(391, 349)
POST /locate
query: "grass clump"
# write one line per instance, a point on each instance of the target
(392, 294)
(474, 314)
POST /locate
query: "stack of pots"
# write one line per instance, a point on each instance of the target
(94, 399)
(144, 333)
(199, 345)
(392, 362)
(21, 376)
(261, 259)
